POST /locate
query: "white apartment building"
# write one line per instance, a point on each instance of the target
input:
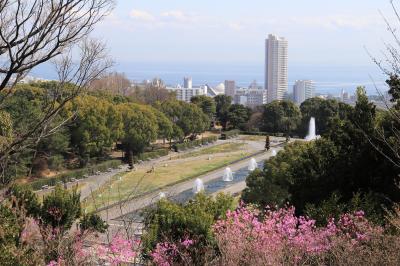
(185, 94)
(303, 90)
(187, 82)
(230, 88)
(250, 97)
(276, 67)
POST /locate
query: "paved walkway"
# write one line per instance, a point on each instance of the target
(94, 182)
(234, 190)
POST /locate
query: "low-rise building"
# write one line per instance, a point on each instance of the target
(250, 97)
(185, 94)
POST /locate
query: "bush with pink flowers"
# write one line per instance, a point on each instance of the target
(278, 237)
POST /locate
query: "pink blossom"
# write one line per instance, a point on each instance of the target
(248, 236)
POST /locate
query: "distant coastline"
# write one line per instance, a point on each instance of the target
(328, 79)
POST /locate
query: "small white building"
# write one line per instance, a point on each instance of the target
(250, 97)
(185, 94)
(187, 82)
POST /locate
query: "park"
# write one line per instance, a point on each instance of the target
(106, 158)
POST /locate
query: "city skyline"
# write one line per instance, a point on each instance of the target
(149, 18)
(181, 31)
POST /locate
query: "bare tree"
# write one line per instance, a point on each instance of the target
(115, 83)
(33, 32)
(156, 91)
(387, 137)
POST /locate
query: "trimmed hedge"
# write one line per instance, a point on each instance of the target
(77, 174)
(262, 134)
(230, 134)
(102, 167)
(151, 155)
(191, 144)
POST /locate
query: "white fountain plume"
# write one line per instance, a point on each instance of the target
(252, 164)
(228, 176)
(311, 131)
(198, 186)
(274, 153)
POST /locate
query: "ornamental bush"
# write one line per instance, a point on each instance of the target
(191, 144)
(248, 236)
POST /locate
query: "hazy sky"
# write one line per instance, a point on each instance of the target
(319, 32)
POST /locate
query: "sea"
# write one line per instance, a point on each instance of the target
(329, 79)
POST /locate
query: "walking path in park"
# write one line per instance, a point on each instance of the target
(93, 182)
(137, 203)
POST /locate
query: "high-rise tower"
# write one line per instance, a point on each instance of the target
(276, 67)
(230, 88)
(303, 90)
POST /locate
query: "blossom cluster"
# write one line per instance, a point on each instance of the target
(273, 237)
(165, 253)
(118, 251)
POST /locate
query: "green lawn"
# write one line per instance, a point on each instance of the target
(252, 138)
(220, 148)
(135, 183)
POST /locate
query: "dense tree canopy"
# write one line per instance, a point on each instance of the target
(187, 116)
(25, 99)
(223, 103)
(322, 110)
(91, 125)
(238, 116)
(337, 168)
(139, 127)
(96, 127)
(165, 126)
(207, 105)
(280, 116)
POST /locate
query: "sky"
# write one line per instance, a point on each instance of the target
(233, 31)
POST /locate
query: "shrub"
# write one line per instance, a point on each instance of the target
(253, 133)
(77, 174)
(172, 222)
(230, 134)
(56, 162)
(280, 238)
(191, 144)
(151, 155)
(248, 236)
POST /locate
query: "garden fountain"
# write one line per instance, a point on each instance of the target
(213, 186)
(311, 131)
(161, 195)
(198, 186)
(252, 164)
(228, 176)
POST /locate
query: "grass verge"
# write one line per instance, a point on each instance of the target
(131, 184)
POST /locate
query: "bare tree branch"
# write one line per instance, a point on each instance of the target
(33, 32)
